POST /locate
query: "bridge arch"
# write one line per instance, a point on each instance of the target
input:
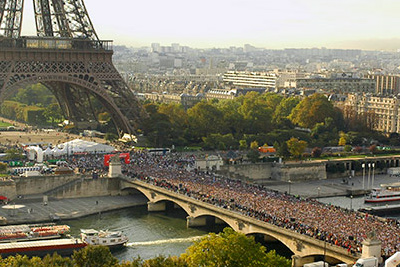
(268, 239)
(320, 257)
(302, 246)
(79, 82)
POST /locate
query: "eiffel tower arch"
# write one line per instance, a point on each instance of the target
(67, 57)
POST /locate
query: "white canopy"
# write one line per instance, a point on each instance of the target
(56, 152)
(78, 145)
(48, 152)
(35, 152)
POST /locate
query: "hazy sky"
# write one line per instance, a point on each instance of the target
(365, 24)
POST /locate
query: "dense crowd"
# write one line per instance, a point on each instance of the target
(333, 224)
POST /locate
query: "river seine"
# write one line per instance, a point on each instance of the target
(150, 234)
(154, 234)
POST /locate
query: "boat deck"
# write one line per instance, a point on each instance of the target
(41, 244)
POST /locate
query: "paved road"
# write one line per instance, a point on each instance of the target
(34, 210)
(331, 187)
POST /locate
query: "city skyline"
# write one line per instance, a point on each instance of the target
(354, 24)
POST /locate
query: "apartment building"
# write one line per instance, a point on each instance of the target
(385, 110)
(244, 79)
(338, 85)
(386, 84)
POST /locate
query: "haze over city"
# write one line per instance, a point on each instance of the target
(354, 24)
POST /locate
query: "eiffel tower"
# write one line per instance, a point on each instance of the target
(68, 58)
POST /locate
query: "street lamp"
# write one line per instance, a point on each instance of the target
(363, 166)
(290, 183)
(351, 202)
(369, 175)
(319, 190)
(373, 175)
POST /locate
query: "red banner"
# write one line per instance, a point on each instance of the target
(125, 156)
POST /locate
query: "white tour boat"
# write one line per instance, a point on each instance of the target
(387, 192)
(111, 239)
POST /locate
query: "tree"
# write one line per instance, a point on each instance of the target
(284, 109)
(256, 113)
(253, 155)
(3, 167)
(99, 256)
(230, 248)
(312, 110)
(342, 139)
(204, 119)
(347, 148)
(162, 261)
(243, 144)
(254, 145)
(296, 147)
(156, 127)
(53, 113)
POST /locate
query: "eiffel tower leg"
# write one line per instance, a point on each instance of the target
(73, 75)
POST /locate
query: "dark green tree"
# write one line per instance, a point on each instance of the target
(312, 110)
(99, 256)
(230, 248)
(204, 119)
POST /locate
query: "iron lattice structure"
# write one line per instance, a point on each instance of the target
(68, 58)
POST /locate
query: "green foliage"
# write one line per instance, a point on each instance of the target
(204, 119)
(10, 109)
(98, 256)
(34, 115)
(254, 145)
(13, 154)
(253, 155)
(284, 109)
(243, 144)
(219, 141)
(57, 261)
(53, 113)
(252, 117)
(256, 113)
(312, 110)
(347, 148)
(162, 261)
(230, 248)
(3, 167)
(296, 147)
(34, 95)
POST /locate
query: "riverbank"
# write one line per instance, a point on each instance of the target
(37, 211)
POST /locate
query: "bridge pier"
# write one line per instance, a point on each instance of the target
(159, 206)
(196, 222)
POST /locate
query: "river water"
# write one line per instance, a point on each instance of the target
(150, 234)
(165, 233)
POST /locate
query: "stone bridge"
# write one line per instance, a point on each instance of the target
(305, 249)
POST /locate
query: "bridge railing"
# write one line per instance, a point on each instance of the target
(55, 43)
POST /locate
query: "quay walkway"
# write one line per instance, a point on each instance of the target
(35, 210)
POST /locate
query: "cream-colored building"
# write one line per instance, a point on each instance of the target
(244, 79)
(385, 110)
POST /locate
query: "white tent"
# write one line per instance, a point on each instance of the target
(48, 152)
(78, 145)
(35, 152)
(57, 152)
